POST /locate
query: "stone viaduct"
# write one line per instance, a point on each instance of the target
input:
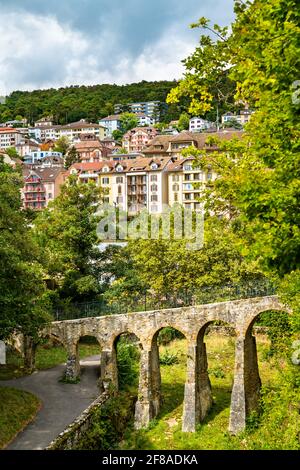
(192, 322)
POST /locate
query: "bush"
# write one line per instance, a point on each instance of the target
(168, 334)
(217, 372)
(108, 424)
(128, 363)
(168, 359)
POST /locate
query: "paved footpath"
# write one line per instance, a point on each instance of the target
(61, 403)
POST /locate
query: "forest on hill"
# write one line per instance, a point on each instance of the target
(90, 102)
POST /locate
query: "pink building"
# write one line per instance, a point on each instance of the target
(136, 139)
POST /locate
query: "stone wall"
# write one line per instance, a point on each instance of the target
(68, 439)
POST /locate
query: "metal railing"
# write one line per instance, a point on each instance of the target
(147, 301)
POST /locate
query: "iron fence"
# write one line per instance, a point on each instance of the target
(147, 301)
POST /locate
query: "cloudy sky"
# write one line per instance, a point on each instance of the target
(63, 42)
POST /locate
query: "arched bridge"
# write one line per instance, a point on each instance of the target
(192, 322)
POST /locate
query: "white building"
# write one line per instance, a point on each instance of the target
(113, 123)
(198, 124)
(75, 130)
(9, 137)
(242, 118)
(34, 157)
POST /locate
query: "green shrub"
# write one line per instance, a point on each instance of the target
(217, 372)
(108, 424)
(128, 363)
(168, 359)
(168, 334)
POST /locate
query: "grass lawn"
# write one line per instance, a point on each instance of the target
(17, 409)
(164, 432)
(46, 357)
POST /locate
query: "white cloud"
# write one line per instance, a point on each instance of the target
(39, 52)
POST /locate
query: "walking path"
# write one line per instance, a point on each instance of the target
(61, 403)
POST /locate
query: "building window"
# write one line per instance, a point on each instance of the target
(176, 197)
(154, 208)
(154, 187)
(209, 176)
(153, 178)
(119, 200)
(119, 189)
(154, 198)
(119, 179)
(50, 196)
(105, 180)
(175, 178)
(106, 200)
(187, 177)
(187, 167)
(175, 187)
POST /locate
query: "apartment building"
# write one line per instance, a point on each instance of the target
(152, 109)
(91, 150)
(39, 156)
(41, 186)
(26, 147)
(9, 137)
(132, 185)
(136, 139)
(172, 145)
(74, 131)
(186, 182)
(113, 123)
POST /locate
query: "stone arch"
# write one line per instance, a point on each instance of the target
(150, 395)
(247, 381)
(79, 341)
(109, 366)
(132, 338)
(198, 393)
(249, 323)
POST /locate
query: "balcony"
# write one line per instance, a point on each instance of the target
(34, 190)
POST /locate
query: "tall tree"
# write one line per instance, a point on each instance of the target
(23, 306)
(71, 157)
(128, 122)
(184, 122)
(66, 232)
(62, 145)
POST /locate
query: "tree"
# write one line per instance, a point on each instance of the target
(128, 122)
(121, 151)
(71, 157)
(22, 289)
(117, 135)
(66, 233)
(207, 85)
(12, 152)
(184, 122)
(167, 267)
(258, 184)
(233, 123)
(62, 145)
